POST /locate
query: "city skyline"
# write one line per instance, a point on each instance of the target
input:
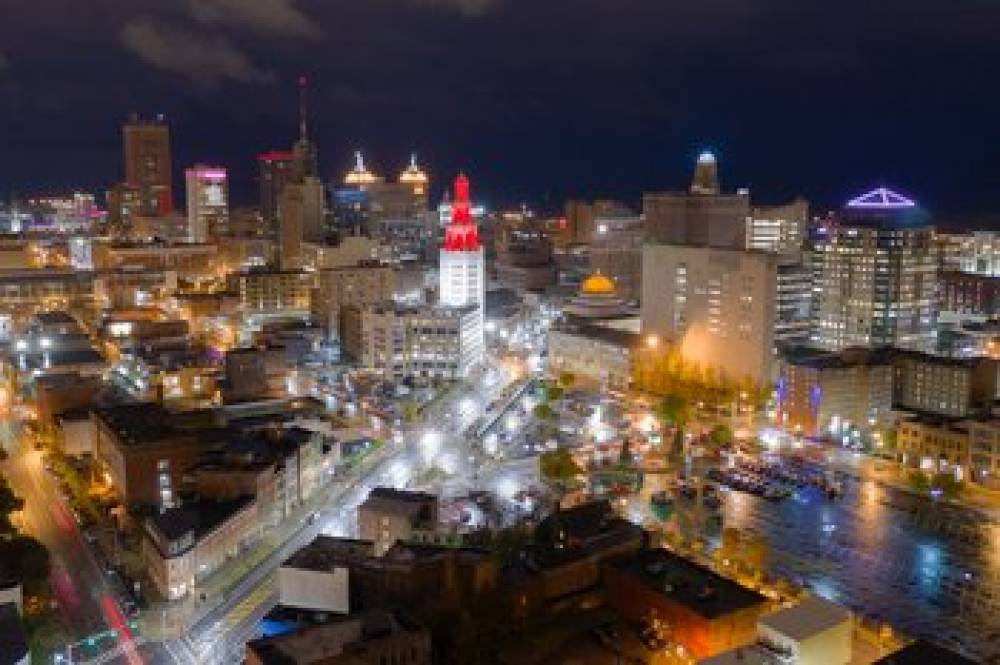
(570, 111)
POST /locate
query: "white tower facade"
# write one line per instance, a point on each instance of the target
(462, 272)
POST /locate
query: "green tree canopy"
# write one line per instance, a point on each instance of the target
(554, 392)
(674, 409)
(544, 412)
(919, 482)
(950, 487)
(721, 435)
(567, 379)
(558, 466)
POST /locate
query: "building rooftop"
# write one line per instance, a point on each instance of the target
(201, 517)
(55, 318)
(340, 637)
(142, 422)
(13, 638)
(418, 506)
(326, 552)
(810, 617)
(805, 356)
(695, 587)
(616, 336)
(581, 531)
(922, 652)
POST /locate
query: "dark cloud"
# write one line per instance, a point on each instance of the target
(277, 17)
(202, 58)
(465, 7)
(538, 99)
(4, 62)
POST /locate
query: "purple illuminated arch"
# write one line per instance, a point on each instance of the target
(881, 199)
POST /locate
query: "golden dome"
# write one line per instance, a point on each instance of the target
(598, 285)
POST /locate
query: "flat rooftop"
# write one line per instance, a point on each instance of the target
(810, 617)
(202, 517)
(325, 553)
(686, 583)
(134, 424)
(923, 652)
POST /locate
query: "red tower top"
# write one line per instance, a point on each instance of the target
(461, 235)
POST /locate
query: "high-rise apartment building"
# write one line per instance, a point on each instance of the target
(146, 148)
(717, 305)
(701, 216)
(207, 203)
(876, 271)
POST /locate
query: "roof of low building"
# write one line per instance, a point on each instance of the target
(923, 652)
(687, 583)
(327, 552)
(13, 638)
(142, 422)
(811, 617)
(201, 517)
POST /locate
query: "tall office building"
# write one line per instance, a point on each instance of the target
(146, 148)
(301, 208)
(876, 271)
(718, 305)
(275, 171)
(463, 266)
(701, 216)
(207, 203)
(780, 229)
(301, 202)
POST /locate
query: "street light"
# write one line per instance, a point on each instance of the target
(652, 341)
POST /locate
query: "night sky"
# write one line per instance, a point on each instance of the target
(536, 99)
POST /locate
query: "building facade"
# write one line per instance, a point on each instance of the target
(877, 270)
(207, 203)
(701, 216)
(954, 387)
(846, 394)
(414, 342)
(146, 148)
(717, 305)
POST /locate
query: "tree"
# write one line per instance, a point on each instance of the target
(677, 447)
(410, 411)
(567, 379)
(553, 392)
(674, 409)
(544, 412)
(919, 482)
(721, 435)
(9, 503)
(625, 456)
(946, 483)
(558, 466)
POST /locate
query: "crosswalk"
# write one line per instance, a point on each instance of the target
(246, 606)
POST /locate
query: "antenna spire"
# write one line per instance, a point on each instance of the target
(303, 111)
